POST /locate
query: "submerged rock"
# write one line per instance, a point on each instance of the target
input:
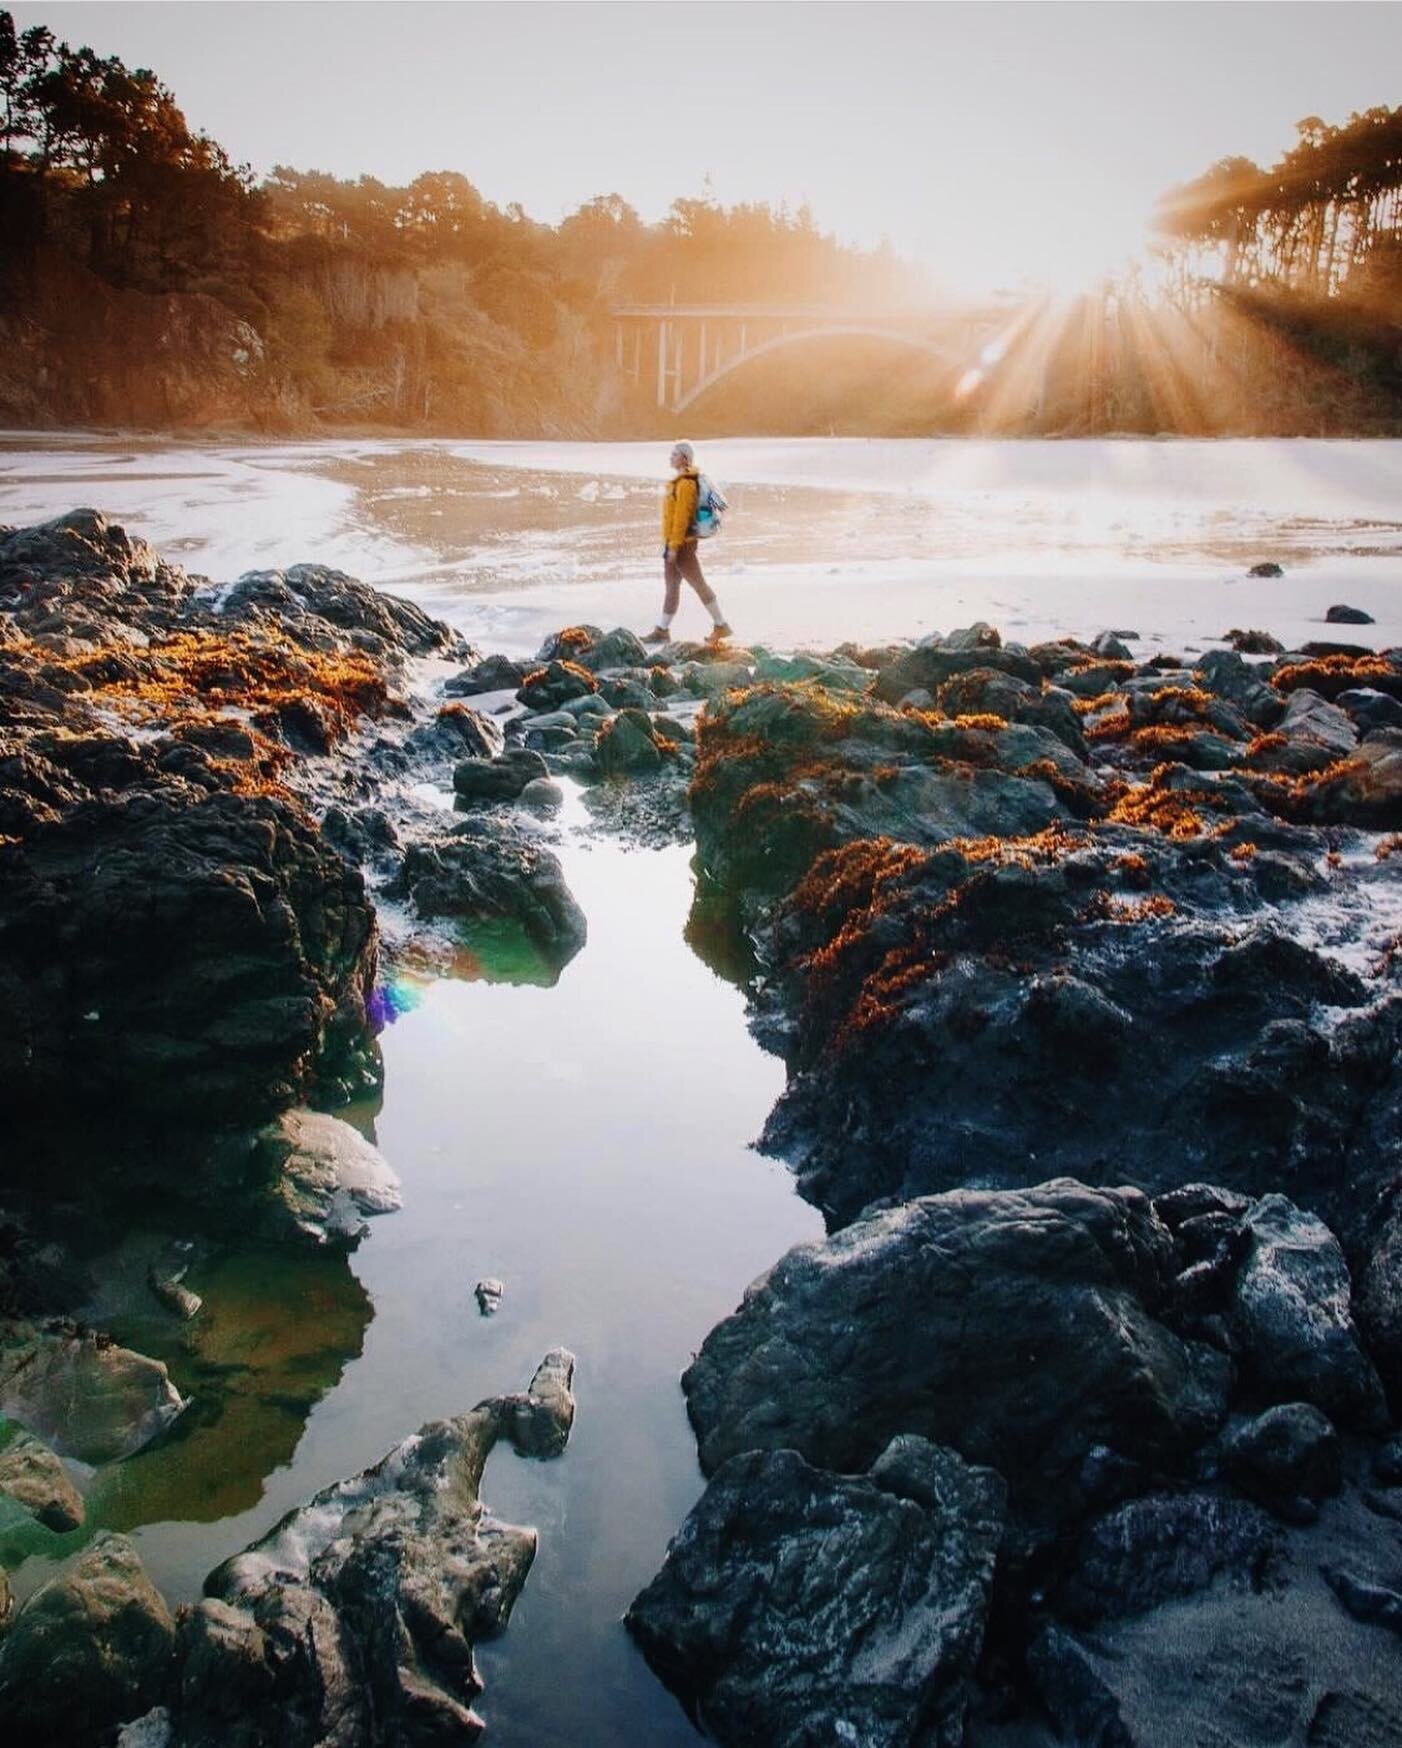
(798, 1606)
(354, 1619)
(83, 1394)
(90, 1650)
(33, 1478)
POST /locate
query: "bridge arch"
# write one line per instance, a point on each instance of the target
(829, 331)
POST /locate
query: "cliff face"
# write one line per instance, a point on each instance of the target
(74, 351)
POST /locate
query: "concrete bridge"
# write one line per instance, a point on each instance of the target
(694, 346)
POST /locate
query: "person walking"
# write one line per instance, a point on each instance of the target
(679, 559)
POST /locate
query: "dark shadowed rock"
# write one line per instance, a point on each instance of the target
(1151, 1550)
(1368, 709)
(1288, 1459)
(799, 1607)
(494, 673)
(1254, 642)
(1066, 1675)
(1018, 1327)
(548, 687)
(186, 958)
(628, 745)
(88, 1651)
(477, 879)
(324, 1179)
(1267, 568)
(1341, 615)
(497, 779)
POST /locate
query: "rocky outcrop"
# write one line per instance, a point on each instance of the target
(354, 1619)
(1021, 1328)
(796, 1606)
(90, 1650)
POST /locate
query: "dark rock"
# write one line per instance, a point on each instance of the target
(34, 1479)
(494, 673)
(1287, 1459)
(88, 1651)
(929, 664)
(1254, 643)
(627, 745)
(1168, 1545)
(549, 687)
(572, 643)
(619, 648)
(798, 1606)
(1378, 1301)
(459, 731)
(1375, 1604)
(1224, 674)
(489, 1294)
(1364, 790)
(1018, 1327)
(354, 1619)
(1310, 717)
(1387, 1461)
(1341, 615)
(986, 691)
(1078, 1699)
(1292, 1317)
(1109, 646)
(486, 880)
(1368, 709)
(105, 1008)
(498, 779)
(1268, 568)
(362, 835)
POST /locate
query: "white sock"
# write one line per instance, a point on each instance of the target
(713, 608)
(664, 621)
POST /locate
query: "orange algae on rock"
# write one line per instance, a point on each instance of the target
(1329, 675)
(194, 675)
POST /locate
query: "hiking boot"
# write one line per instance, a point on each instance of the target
(657, 635)
(719, 634)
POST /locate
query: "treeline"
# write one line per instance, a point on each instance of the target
(147, 278)
(1324, 221)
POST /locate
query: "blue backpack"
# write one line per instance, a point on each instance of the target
(710, 507)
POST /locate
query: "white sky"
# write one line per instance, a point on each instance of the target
(991, 141)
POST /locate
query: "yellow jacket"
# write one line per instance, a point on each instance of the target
(679, 507)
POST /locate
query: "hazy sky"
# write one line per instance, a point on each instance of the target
(988, 140)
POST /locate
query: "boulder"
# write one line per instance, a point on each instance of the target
(90, 1650)
(619, 648)
(548, 687)
(797, 1606)
(354, 1619)
(1287, 1459)
(1377, 1304)
(1363, 790)
(34, 1479)
(627, 745)
(83, 1394)
(497, 779)
(1368, 709)
(1291, 1316)
(1167, 1545)
(1341, 615)
(324, 1180)
(1082, 1705)
(494, 673)
(1267, 568)
(478, 881)
(1254, 642)
(459, 731)
(1020, 1328)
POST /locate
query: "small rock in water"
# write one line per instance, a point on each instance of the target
(1342, 615)
(34, 1478)
(490, 1294)
(168, 1289)
(1268, 568)
(1254, 642)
